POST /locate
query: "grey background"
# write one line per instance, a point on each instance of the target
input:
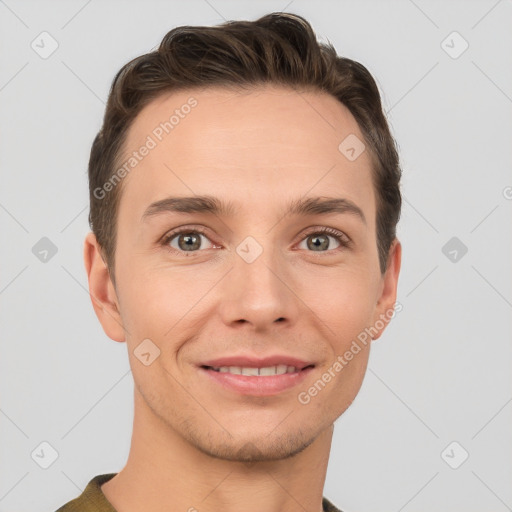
(441, 372)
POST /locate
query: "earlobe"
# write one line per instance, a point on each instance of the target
(384, 310)
(101, 290)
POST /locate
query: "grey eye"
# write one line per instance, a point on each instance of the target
(320, 242)
(189, 241)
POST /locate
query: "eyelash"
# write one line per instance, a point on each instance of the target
(343, 240)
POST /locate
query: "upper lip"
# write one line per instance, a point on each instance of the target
(257, 362)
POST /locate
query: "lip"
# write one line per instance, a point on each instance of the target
(256, 362)
(256, 385)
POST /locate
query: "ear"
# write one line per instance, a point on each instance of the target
(102, 291)
(387, 298)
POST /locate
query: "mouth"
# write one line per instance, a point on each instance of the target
(249, 371)
(256, 379)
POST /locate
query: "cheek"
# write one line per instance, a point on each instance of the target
(343, 300)
(156, 298)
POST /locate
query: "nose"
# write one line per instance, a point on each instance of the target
(259, 293)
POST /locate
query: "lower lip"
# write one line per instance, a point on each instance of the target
(257, 386)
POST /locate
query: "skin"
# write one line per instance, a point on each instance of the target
(195, 444)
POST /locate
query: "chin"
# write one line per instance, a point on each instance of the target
(253, 448)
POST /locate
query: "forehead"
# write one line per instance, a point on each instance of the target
(265, 143)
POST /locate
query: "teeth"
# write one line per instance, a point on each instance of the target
(269, 370)
(250, 371)
(280, 369)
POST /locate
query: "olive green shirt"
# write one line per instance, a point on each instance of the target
(93, 499)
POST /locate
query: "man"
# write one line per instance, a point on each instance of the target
(244, 196)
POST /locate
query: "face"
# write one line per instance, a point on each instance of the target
(253, 283)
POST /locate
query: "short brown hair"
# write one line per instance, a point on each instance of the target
(280, 49)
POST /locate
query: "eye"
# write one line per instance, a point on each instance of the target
(190, 240)
(185, 240)
(319, 240)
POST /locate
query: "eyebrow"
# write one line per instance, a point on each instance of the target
(214, 206)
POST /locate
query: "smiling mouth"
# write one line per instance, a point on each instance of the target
(267, 371)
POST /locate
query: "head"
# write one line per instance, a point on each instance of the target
(246, 120)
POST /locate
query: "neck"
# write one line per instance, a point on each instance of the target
(164, 472)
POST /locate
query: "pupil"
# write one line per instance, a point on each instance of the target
(323, 242)
(190, 242)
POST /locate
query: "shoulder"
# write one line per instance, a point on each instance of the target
(92, 498)
(327, 506)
